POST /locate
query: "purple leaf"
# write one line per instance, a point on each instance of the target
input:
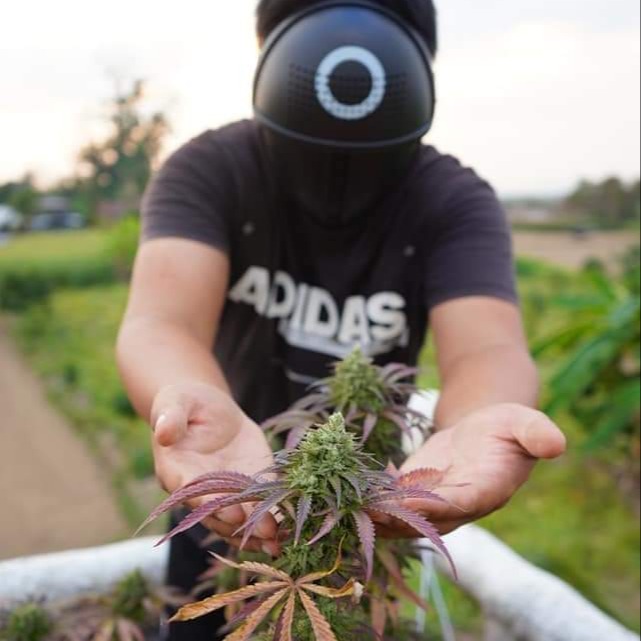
(405, 494)
(302, 513)
(353, 481)
(331, 521)
(295, 437)
(206, 510)
(368, 426)
(261, 510)
(398, 420)
(418, 523)
(367, 536)
(338, 490)
(214, 483)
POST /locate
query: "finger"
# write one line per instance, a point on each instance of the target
(171, 426)
(266, 528)
(271, 548)
(539, 436)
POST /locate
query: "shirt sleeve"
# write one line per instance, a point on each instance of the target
(191, 197)
(471, 253)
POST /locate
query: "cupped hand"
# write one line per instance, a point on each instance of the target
(486, 458)
(200, 429)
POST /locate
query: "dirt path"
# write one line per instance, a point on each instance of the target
(53, 495)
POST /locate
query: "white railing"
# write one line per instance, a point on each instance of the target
(520, 601)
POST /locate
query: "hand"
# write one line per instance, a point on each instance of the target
(486, 457)
(200, 429)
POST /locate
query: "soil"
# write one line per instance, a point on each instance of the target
(54, 494)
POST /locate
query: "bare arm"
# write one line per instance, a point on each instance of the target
(483, 357)
(177, 294)
(490, 436)
(165, 357)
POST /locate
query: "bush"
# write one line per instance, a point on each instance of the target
(122, 245)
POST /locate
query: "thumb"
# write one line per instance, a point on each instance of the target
(539, 436)
(171, 425)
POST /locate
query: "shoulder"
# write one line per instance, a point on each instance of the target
(444, 182)
(217, 145)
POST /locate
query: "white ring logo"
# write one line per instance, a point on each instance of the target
(328, 99)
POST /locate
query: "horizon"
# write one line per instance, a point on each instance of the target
(536, 97)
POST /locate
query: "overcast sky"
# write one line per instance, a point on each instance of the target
(534, 94)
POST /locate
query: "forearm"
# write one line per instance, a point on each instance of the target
(153, 354)
(502, 374)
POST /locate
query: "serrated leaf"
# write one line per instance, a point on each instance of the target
(254, 620)
(259, 512)
(252, 567)
(318, 576)
(220, 601)
(195, 490)
(331, 521)
(395, 572)
(426, 478)
(303, 510)
(203, 512)
(367, 536)
(320, 625)
(286, 622)
(417, 523)
(370, 422)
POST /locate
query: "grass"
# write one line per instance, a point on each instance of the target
(33, 266)
(49, 250)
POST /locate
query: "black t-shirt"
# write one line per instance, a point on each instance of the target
(302, 295)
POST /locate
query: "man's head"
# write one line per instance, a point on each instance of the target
(421, 14)
(344, 92)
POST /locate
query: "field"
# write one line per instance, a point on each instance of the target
(572, 519)
(573, 250)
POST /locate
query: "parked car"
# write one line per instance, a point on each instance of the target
(57, 221)
(10, 219)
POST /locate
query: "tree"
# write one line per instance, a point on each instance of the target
(118, 168)
(22, 195)
(610, 203)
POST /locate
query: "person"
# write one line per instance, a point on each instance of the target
(272, 247)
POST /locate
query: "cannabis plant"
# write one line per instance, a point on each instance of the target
(29, 622)
(326, 494)
(374, 401)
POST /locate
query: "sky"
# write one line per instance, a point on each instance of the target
(534, 94)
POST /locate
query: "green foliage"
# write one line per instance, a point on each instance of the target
(118, 168)
(598, 378)
(33, 266)
(323, 457)
(122, 244)
(356, 383)
(129, 598)
(610, 203)
(30, 622)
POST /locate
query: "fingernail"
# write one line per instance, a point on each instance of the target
(268, 549)
(161, 419)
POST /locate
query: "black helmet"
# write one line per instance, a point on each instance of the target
(344, 92)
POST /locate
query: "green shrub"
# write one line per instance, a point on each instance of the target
(122, 245)
(29, 622)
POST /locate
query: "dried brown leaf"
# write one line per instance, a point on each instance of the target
(220, 601)
(320, 625)
(253, 621)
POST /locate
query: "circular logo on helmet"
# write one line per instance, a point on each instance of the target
(328, 99)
